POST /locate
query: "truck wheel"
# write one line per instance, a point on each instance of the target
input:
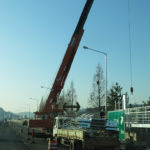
(58, 141)
(72, 145)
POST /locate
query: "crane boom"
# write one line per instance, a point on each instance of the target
(50, 106)
(68, 57)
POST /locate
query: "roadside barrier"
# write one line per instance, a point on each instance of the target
(21, 130)
(122, 146)
(52, 145)
(32, 132)
(41, 130)
(33, 136)
(28, 131)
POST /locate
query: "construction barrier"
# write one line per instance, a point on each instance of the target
(21, 130)
(52, 145)
(32, 132)
(28, 131)
(42, 130)
(33, 136)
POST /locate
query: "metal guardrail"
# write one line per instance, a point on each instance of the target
(138, 115)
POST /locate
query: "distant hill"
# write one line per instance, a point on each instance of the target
(5, 115)
(25, 114)
(9, 115)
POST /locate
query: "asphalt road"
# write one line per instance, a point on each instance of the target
(9, 140)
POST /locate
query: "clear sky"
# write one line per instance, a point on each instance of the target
(34, 35)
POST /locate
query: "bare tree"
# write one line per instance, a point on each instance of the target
(68, 97)
(71, 95)
(61, 99)
(42, 104)
(97, 95)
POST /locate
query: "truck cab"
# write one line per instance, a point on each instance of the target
(60, 123)
(63, 122)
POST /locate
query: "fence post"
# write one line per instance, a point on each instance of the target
(145, 115)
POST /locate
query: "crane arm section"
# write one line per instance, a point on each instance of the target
(50, 108)
(68, 58)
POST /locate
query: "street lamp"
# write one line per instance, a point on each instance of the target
(85, 47)
(35, 99)
(45, 87)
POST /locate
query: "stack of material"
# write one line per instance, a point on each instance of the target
(112, 125)
(86, 116)
(92, 123)
(98, 123)
(83, 123)
(87, 122)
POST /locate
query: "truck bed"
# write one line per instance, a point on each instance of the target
(71, 134)
(96, 140)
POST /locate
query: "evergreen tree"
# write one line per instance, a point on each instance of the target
(114, 98)
(148, 101)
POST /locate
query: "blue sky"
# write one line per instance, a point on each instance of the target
(34, 35)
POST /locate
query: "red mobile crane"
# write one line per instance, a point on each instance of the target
(51, 109)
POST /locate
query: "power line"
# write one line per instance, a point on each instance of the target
(130, 46)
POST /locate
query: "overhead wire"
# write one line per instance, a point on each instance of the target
(130, 46)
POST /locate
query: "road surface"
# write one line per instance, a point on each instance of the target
(9, 140)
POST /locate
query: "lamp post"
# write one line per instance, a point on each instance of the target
(45, 87)
(85, 47)
(35, 99)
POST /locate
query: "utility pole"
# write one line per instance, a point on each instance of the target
(98, 84)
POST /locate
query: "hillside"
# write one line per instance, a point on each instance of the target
(5, 115)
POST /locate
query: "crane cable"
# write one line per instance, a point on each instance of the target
(130, 45)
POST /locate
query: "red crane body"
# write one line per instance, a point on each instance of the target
(51, 109)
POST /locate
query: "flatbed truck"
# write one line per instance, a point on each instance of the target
(83, 139)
